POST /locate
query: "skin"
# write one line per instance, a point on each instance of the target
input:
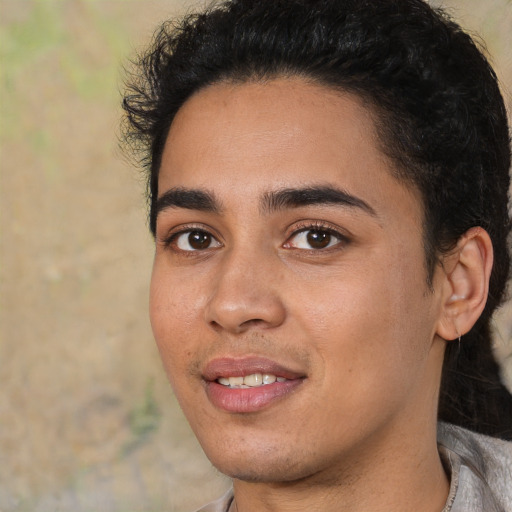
(356, 320)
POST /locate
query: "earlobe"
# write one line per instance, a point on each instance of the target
(466, 283)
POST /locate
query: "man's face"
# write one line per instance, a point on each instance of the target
(288, 255)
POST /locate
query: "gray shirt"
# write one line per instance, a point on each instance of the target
(480, 470)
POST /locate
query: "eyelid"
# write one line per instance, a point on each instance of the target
(317, 225)
(172, 234)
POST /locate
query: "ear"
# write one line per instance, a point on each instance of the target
(467, 270)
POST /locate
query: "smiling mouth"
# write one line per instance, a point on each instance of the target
(248, 384)
(250, 381)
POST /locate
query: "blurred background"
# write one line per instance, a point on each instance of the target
(87, 419)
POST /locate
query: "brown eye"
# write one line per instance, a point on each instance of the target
(315, 239)
(199, 240)
(195, 240)
(318, 239)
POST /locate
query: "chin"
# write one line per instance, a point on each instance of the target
(262, 476)
(262, 468)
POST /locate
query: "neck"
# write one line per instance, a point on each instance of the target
(406, 475)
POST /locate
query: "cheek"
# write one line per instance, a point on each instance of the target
(173, 313)
(370, 317)
(370, 352)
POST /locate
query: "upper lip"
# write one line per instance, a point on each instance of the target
(243, 366)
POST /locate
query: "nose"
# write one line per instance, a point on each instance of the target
(246, 294)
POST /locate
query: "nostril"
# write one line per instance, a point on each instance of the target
(241, 327)
(252, 322)
(215, 325)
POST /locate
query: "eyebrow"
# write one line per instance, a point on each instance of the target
(202, 200)
(322, 195)
(190, 199)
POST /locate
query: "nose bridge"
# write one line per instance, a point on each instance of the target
(246, 291)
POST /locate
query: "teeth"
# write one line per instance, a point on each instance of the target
(269, 379)
(236, 381)
(250, 381)
(256, 379)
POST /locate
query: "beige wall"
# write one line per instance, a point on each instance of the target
(87, 419)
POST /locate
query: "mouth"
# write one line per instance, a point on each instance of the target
(254, 380)
(244, 385)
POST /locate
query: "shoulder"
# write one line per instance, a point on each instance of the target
(220, 505)
(480, 467)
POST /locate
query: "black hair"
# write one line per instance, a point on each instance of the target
(439, 115)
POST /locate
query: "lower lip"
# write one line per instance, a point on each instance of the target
(243, 400)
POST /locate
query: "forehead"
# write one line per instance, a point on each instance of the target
(266, 120)
(277, 134)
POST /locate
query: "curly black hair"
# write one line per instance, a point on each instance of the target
(439, 114)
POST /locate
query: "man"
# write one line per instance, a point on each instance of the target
(328, 193)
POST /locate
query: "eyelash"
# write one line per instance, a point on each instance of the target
(172, 240)
(322, 228)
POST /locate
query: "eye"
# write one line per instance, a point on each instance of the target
(314, 238)
(194, 240)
